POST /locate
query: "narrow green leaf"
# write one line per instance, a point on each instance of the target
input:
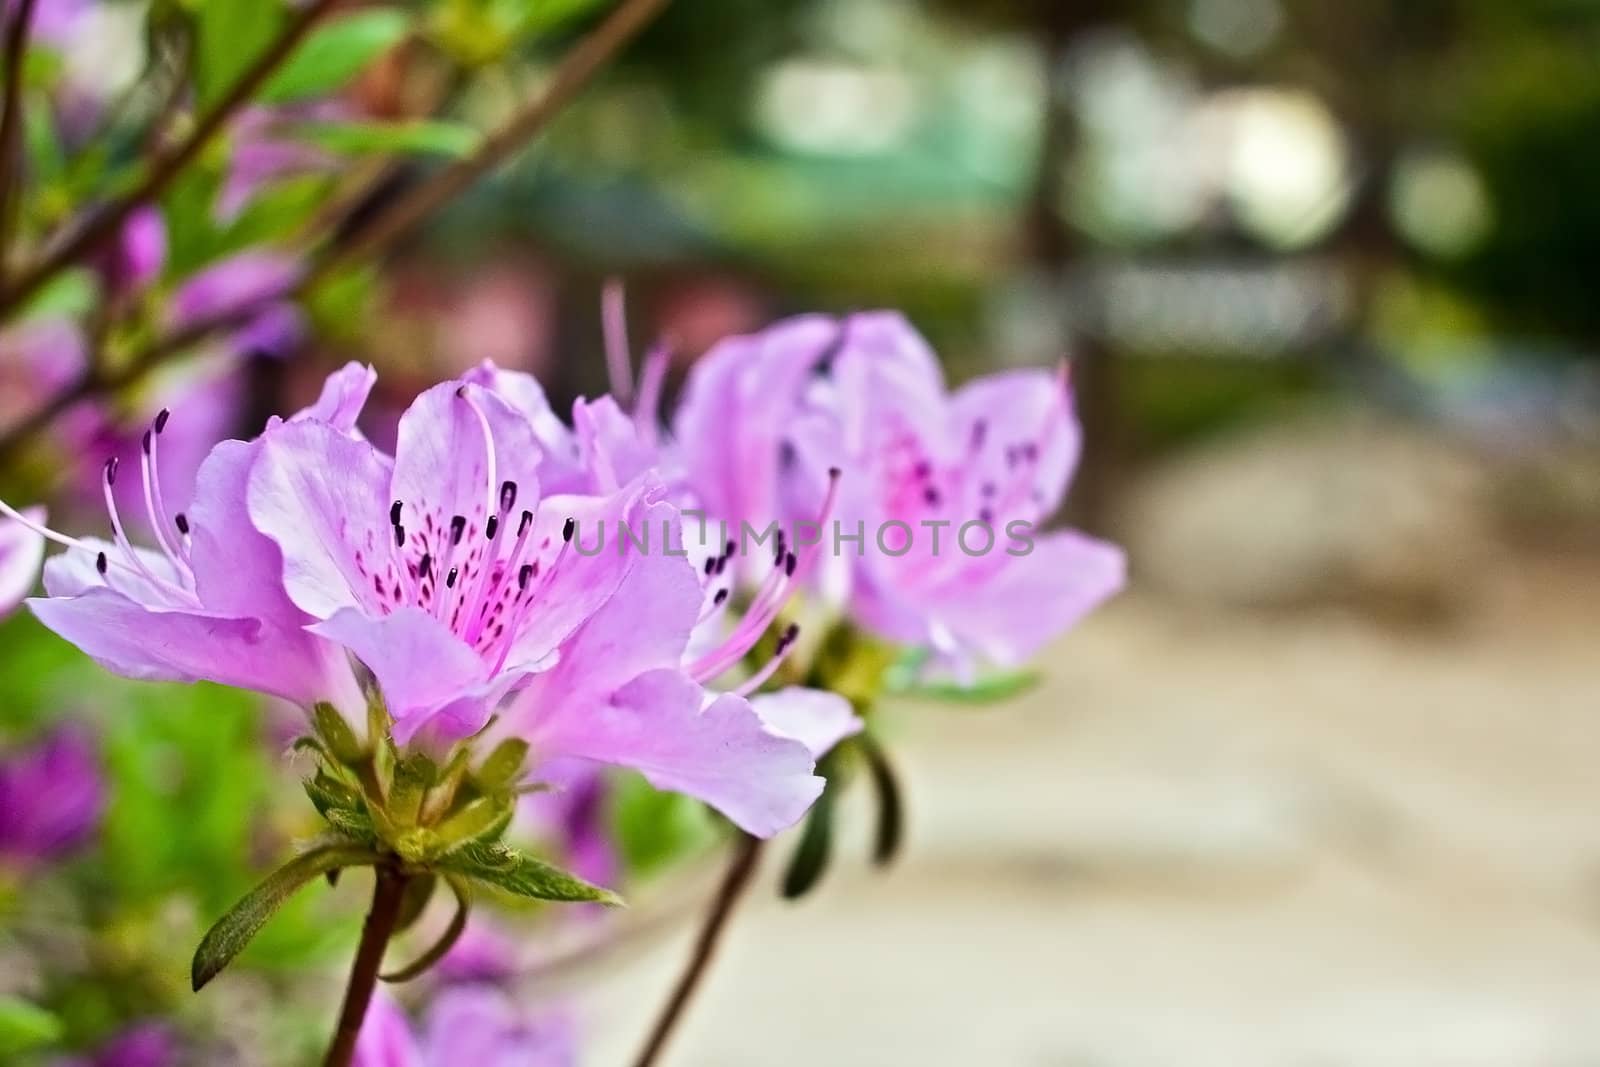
(334, 54)
(329, 794)
(811, 856)
(232, 35)
(436, 137)
(25, 1026)
(458, 925)
(231, 933)
(503, 766)
(986, 690)
(890, 829)
(520, 874)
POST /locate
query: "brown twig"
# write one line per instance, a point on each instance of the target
(15, 56)
(734, 883)
(574, 71)
(388, 889)
(104, 224)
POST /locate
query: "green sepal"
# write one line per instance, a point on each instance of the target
(483, 819)
(811, 856)
(336, 735)
(503, 766)
(458, 925)
(231, 933)
(519, 874)
(413, 777)
(327, 794)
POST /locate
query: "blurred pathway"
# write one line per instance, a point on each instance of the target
(1230, 841)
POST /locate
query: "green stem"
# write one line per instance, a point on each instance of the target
(388, 889)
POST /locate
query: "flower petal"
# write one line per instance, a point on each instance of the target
(443, 466)
(429, 677)
(21, 555)
(816, 718)
(343, 396)
(560, 470)
(720, 753)
(321, 496)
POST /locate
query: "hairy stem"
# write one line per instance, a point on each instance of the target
(15, 55)
(105, 223)
(388, 889)
(734, 883)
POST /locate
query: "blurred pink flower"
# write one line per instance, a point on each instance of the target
(21, 555)
(470, 1024)
(51, 798)
(254, 284)
(764, 417)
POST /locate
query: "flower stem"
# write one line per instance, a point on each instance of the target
(734, 884)
(388, 889)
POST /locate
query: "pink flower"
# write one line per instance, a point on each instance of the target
(208, 601)
(257, 279)
(51, 798)
(473, 1024)
(935, 540)
(464, 590)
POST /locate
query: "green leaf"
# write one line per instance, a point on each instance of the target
(452, 934)
(986, 690)
(653, 827)
(25, 1026)
(890, 829)
(540, 16)
(811, 856)
(419, 136)
(334, 54)
(71, 293)
(232, 35)
(231, 933)
(521, 875)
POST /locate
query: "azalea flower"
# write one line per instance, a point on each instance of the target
(254, 284)
(935, 540)
(146, 1044)
(207, 602)
(265, 152)
(51, 799)
(464, 591)
(475, 1024)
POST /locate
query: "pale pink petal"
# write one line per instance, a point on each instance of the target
(21, 556)
(816, 718)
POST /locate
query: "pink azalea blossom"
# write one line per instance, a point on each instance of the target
(473, 1024)
(465, 590)
(265, 151)
(146, 1044)
(946, 490)
(207, 602)
(257, 279)
(51, 798)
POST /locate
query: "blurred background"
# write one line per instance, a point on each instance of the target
(1322, 788)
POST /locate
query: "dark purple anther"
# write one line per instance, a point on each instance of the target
(508, 496)
(458, 526)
